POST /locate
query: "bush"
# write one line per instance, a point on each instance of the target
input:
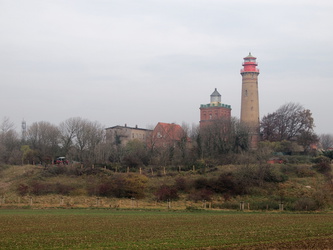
(304, 171)
(322, 164)
(193, 209)
(264, 205)
(226, 183)
(119, 185)
(62, 189)
(181, 184)
(202, 183)
(165, 193)
(234, 205)
(328, 153)
(22, 189)
(55, 170)
(106, 189)
(202, 194)
(39, 188)
(306, 204)
(297, 159)
(271, 174)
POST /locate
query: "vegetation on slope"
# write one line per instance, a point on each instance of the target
(259, 186)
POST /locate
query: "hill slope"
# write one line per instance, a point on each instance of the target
(298, 187)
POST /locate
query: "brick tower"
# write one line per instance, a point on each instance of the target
(215, 110)
(250, 98)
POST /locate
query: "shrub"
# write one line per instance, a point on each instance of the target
(304, 171)
(106, 189)
(202, 194)
(225, 183)
(202, 183)
(306, 204)
(296, 159)
(39, 188)
(227, 205)
(165, 193)
(271, 174)
(55, 170)
(328, 153)
(322, 164)
(129, 186)
(78, 192)
(181, 184)
(22, 189)
(63, 189)
(193, 209)
(265, 205)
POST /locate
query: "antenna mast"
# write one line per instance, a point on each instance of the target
(24, 130)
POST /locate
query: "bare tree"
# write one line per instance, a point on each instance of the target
(135, 154)
(223, 136)
(96, 138)
(68, 131)
(44, 137)
(326, 141)
(9, 142)
(88, 135)
(288, 122)
(6, 125)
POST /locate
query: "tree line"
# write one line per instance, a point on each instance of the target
(290, 129)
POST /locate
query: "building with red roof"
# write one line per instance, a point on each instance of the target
(167, 135)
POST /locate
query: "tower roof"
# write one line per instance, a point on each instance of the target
(215, 93)
(250, 56)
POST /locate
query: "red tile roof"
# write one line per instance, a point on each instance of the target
(167, 133)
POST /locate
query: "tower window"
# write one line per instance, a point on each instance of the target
(246, 92)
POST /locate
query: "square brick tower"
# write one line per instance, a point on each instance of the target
(250, 98)
(215, 110)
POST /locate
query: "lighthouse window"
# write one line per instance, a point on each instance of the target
(246, 92)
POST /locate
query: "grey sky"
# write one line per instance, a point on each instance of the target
(149, 61)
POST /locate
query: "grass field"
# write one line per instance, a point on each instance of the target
(121, 229)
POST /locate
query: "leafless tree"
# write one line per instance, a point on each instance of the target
(87, 137)
(288, 122)
(6, 125)
(68, 131)
(44, 137)
(326, 141)
(223, 136)
(9, 142)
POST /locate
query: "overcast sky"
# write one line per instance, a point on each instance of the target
(146, 61)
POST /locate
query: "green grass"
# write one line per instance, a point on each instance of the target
(117, 229)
